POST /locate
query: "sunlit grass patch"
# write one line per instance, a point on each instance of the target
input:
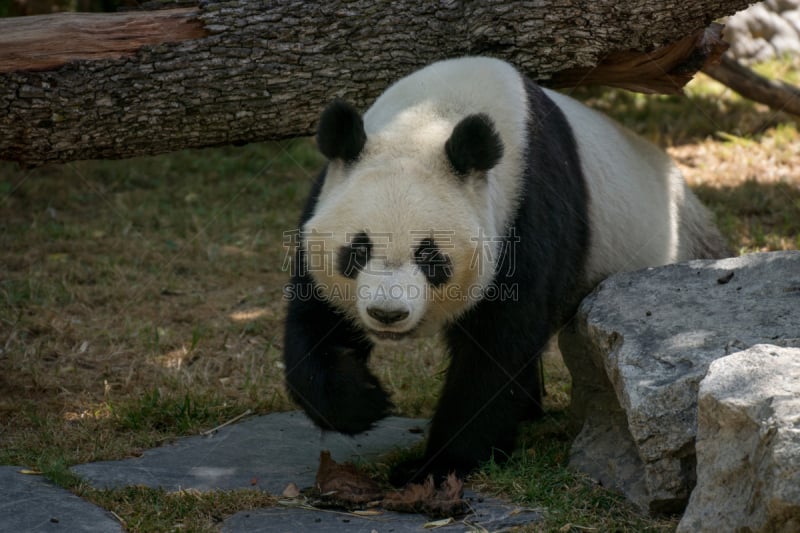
(705, 110)
(757, 216)
(785, 69)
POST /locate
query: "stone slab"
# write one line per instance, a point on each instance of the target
(269, 452)
(488, 514)
(266, 452)
(32, 504)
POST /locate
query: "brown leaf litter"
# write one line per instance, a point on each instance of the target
(342, 485)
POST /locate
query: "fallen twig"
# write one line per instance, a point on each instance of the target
(228, 423)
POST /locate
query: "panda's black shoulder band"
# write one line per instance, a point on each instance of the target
(474, 145)
(341, 132)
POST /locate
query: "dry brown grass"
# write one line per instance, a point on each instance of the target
(753, 187)
(113, 288)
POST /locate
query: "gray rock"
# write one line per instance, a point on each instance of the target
(638, 348)
(764, 31)
(781, 6)
(33, 504)
(266, 452)
(748, 444)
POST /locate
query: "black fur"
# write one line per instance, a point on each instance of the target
(341, 132)
(326, 356)
(474, 145)
(354, 257)
(493, 381)
(435, 266)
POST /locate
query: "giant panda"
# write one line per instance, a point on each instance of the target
(470, 202)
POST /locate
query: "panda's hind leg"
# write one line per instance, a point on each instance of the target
(532, 380)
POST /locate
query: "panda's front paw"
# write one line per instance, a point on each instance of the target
(418, 470)
(408, 471)
(355, 399)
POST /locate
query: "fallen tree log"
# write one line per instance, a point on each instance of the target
(240, 71)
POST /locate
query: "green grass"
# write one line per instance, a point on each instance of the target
(537, 475)
(146, 509)
(155, 413)
(141, 300)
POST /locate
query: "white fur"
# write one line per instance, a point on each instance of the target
(402, 190)
(640, 207)
(402, 185)
(401, 288)
(449, 91)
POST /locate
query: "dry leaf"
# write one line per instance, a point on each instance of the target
(446, 501)
(291, 491)
(439, 523)
(342, 484)
(367, 512)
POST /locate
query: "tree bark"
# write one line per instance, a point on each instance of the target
(249, 71)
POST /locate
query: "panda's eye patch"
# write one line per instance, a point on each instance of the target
(354, 256)
(432, 262)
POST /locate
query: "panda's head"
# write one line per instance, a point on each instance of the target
(403, 238)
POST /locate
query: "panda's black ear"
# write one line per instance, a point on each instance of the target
(474, 145)
(341, 132)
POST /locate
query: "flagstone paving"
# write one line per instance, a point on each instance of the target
(489, 514)
(266, 452)
(31, 504)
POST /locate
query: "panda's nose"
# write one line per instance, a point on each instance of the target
(387, 317)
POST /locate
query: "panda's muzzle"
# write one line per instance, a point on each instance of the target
(391, 301)
(387, 317)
